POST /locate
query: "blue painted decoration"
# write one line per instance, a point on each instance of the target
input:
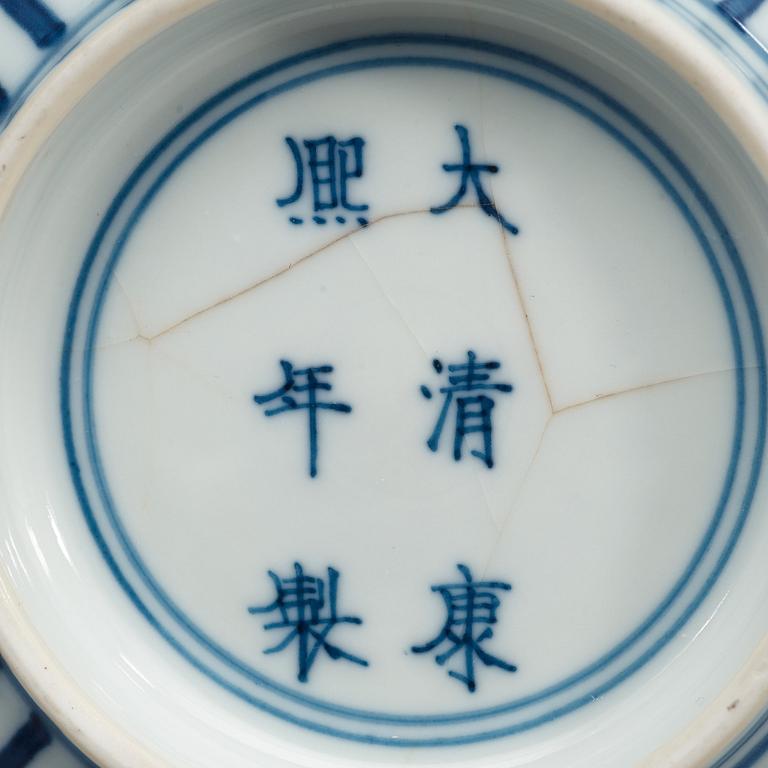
(470, 173)
(332, 165)
(470, 605)
(37, 20)
(740, 10)
(300, 602)
(645, 640)
(5, 100)
(473, 412)
(311, 386)
(25, 744)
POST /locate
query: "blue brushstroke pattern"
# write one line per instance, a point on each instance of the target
(37, 20)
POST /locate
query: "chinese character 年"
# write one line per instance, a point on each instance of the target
(303, 383)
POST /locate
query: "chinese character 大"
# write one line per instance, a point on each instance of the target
(470, 175)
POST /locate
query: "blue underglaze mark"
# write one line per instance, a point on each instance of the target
(5, 101)
(303, 382)
(296, 220)
(25, 744)
(362, 221)
(296, 155)
(332, 164)
(732, 535)
(470, 174)
(300, 602)
(470, 605)
(740, 10)
(37, 20)
(473, 412)
(605, 659)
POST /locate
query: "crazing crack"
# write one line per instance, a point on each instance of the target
(651, 385)
(386, 295)
(502, 526)
(583, 403)
(513, 505)
(515, 280)
(526, 317)
(284, 270)
(554, 412)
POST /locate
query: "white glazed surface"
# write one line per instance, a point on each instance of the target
(602, 312)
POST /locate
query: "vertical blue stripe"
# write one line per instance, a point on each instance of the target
(740, 10)
(5, 101)
(37, 20)
(25, 744)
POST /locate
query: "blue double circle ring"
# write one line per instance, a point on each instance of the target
(730, 512)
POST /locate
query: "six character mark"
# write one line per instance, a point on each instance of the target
(308, 386)
(332, 165)
(470, 605)
(300, 602)
(473, 411)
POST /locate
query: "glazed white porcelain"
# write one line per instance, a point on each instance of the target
(449, 314)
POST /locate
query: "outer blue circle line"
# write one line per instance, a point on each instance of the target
(400, 61)
(95, 318)
(744, 739)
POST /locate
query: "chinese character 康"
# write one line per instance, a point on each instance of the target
(473, 412)
(310, 388)
(469, 605)
(300, 602)
(332, 165)
(470, 173)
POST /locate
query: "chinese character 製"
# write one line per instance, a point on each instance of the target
(470, 606)
(332, 165)
(471, 174)
(307, 618)
(473, 411)
(300, 392)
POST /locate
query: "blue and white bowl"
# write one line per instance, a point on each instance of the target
(384, 383)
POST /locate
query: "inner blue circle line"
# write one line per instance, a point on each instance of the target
(211, 130)
(90, 347)
(732, 320)
(140, 208)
